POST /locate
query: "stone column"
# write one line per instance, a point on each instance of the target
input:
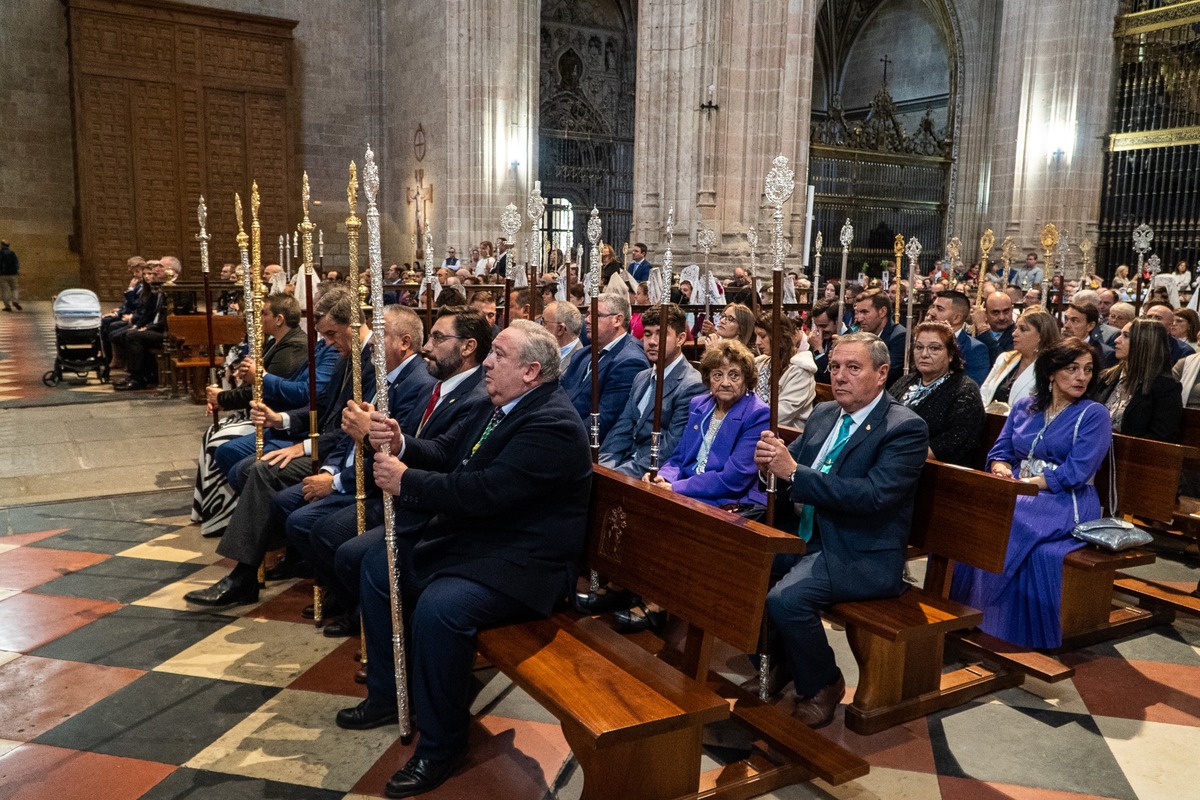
(466, 72)
(711, 165)
(1051, 112)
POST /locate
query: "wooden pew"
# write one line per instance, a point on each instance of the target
(634, 722)
(899, 643)
(824, 392)
(189, 355)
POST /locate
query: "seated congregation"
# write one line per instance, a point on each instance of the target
(476, 494)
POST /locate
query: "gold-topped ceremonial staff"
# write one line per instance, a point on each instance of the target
(781, 182)
(1049, 240)
(898, 252)
(256, 346)
(375, 264)
(846, 238)
(706, 239)
(953, 251)
(1008, 251)
(1143, 235)
(913, 251)
(243, 244)
(353, 225)
(203, 237)
(1088, 267)
(535, 209)
(660, 365)
(593, 234)
(510, 223)
(986, 243)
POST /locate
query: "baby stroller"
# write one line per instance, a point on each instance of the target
(78, 346)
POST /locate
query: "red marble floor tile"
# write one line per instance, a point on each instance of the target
(971, 789)
(905, 747)
(37, 772)
(334, 674)
(27, 567)
(513, 759)
(36, 694)
(1143, 690)
(28, 621)
(287, 605)
(22, 539)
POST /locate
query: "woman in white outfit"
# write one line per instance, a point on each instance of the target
(1011, 377)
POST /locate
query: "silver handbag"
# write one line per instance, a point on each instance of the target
(1109, 533)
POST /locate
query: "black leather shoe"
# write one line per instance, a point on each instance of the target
(362, 717)
(17, 305)
(422, 775)
(329, 610)
(129, 386)
(631, 622)
(593, 603)
(228, 591)
(287, 568)
(341, 627)
(361, 675)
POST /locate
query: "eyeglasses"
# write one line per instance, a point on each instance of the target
(932, 349)
(437, 337)
(727, 318)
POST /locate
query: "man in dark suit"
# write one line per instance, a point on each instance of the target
(248, 535)
(564, 321)
(621, 358)
(1082, 320)
(303, 509)
(501, 266)
(853, 475)
(826, 316)
(640, 268)
(996, 325)
(287, 353)
(626, 448)
(873, 314)
(953, 308)
(458, 342)
(491, 520)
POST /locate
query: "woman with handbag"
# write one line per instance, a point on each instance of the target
(1054, 440)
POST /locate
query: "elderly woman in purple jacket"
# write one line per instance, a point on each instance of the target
(714, 461)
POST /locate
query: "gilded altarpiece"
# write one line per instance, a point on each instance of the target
(173, 101)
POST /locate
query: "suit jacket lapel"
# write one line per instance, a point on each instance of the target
(870, 425)
(819, 425)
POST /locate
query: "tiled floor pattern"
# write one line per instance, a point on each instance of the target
(111, 688)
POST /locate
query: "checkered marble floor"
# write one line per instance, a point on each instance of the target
(111, 688)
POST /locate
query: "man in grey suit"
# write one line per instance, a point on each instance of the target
(853, 476)
(626, 448)
(564, 321)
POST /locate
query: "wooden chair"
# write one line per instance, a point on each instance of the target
(189, 357)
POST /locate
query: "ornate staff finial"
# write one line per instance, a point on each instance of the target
(913, 249)
(986, 242)
(203, 236)
(953, 250)
(254, 202)
(370, 176)
(593, 235)
(847, 236)
(706, 239)
(1154, 265)
(668, 256)
(305, 195)
(1143, 235)
(781, 181)
(352, 189)
(1008, 250)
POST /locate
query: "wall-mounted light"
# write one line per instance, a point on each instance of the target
(710, 105)
(1060, 141)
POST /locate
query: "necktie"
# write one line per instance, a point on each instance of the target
(804, 530)
(647, 400)
(497, 415)
(433, 401)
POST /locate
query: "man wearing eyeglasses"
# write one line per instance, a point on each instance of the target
(621, 359)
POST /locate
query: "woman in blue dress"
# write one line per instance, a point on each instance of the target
(1054, 440)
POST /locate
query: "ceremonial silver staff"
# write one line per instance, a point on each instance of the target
(284, 262)
(660, 363)
(429, 279)
(816, 276)
(847, 238)
(535, 208)
(706, 239)
(913, 251)
(593, 234)
(781, 182)
(203, 237)
(375, 260)
(305, 228)
(510, 223)
(752, 240)
(1143, 235)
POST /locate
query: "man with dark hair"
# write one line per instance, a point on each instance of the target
(626, 448)
(997, 330)
(873, 314)
(10, 267)
(953, 308)
(518, 304)
(826, 315)
(853, 476)
(1082, 320)
(500, 268)
(640, 268)
(491, 521)
(484, 302)
(621, 358)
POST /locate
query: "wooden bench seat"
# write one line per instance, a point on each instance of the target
(635, 722)
(189, 347)
(1151, 594)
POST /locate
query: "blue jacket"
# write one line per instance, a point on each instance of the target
(626, 448)
(292, 391)
(618, 367)
(894, 336)
(863, 507)
(640, 270)
(975, 357)
(731, 475)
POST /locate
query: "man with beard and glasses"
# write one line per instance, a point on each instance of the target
(457, 344)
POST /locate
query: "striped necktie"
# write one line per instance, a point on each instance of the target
(497, 415)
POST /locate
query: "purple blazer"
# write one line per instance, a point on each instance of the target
(731, 475)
